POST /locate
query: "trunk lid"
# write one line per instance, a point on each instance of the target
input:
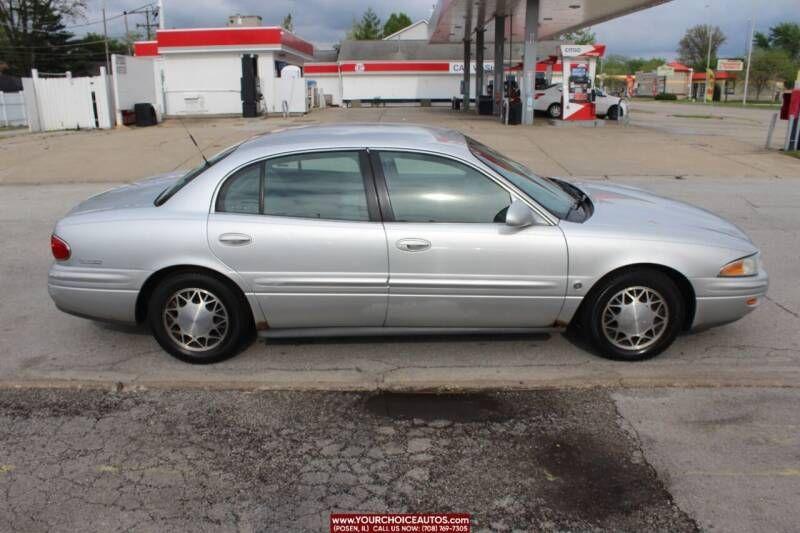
(134, 195)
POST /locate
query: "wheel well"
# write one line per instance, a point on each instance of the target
(680, 280)
(156, 277)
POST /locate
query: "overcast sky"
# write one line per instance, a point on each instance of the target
(653, 32)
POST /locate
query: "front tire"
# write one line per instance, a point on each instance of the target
(635, 315)
(613, 113)
(198, 319)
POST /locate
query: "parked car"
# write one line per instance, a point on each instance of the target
(395, 229)
(611, 107)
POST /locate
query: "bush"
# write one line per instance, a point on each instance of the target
(666, 96)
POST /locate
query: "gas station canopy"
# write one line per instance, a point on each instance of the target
(451, 18)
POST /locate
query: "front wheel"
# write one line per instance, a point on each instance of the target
(614, 113)
(198, 319)
(635, 315)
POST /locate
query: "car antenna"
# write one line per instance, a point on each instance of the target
(194, 142)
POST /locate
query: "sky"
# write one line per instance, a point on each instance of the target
(653, 32)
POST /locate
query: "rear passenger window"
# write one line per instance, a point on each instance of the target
(326, 185)
(242, 192)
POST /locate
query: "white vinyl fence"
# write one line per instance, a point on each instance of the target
(12, 109)
(68, 103)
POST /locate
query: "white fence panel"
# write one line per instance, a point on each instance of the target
(72, 103)
(12, 109)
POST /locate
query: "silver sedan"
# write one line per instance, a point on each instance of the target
(395, 229)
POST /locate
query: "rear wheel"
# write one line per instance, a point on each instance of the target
(613, 112)
(198, 319)
(635, 315)
(554, 111)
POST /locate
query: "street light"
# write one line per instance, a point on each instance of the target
(750, 51)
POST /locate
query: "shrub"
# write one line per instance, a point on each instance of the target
(666, 96)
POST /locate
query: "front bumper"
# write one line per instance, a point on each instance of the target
(725, 300)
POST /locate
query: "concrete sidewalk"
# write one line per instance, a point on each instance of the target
(651, 147)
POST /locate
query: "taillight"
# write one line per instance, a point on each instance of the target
(59, 248)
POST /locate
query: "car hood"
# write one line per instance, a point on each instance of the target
(646, 215)
(139, 194)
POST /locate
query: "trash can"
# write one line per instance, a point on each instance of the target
(515, 113)
(485, 105)
(145, 114)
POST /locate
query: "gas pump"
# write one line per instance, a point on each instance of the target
(579, 65)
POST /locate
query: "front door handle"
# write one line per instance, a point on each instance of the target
(235, 239)
(413, 245)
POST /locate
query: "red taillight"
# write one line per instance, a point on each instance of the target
(59, 248)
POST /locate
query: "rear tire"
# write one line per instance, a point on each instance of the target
(613, 113)
(199, 319)
(635, 315)
(554, 111)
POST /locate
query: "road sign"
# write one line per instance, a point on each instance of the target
(731, 65)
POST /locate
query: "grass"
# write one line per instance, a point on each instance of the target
(794, 153)
(769, 105)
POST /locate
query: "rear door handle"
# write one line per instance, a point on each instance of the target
(413, 245)
(235, 239)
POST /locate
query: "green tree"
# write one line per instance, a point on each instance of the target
(640, 64)
(583, 36)
(288, 23)
(35, 35)
(395, 23)
(761, 40)
(693, 47)
(368, 29)
(786, 36)
(768, 66)
(84, 56)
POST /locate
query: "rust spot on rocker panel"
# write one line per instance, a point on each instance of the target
(261, 326)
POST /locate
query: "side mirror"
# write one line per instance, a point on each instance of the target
(520, 215)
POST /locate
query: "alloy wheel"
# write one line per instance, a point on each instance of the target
(635, 318)
(195, 319)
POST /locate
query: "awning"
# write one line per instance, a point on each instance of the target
(451, 17)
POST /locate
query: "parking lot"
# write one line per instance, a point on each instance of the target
(725, 393)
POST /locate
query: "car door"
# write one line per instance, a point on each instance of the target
(453, 262)
(304, 231)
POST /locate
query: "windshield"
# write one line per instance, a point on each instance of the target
(166, 194)
(545, 192)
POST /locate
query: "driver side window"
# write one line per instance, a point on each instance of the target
(426, 188)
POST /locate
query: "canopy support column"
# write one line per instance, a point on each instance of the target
(467, 68)
(478, 64)
(499, 44)
(529, 61)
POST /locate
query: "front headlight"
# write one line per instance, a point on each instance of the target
(746, 266)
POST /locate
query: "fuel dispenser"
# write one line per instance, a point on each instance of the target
(579, 63)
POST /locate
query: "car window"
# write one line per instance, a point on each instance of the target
(544, 191)
(327, 185)
(241, 193)
(426, 188)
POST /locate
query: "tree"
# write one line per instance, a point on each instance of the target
(34, 33)
(288, 23)
(584, 36)
(786, 36)
(693, 47)
(368, 29)
(83, 56)
(768, 66)
(395, 23)
(761, 40)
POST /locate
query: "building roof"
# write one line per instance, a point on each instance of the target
(398, 34)
(678, 67)
(414, 50)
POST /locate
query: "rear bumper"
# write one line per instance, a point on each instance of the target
(725, 300)
(99, 294)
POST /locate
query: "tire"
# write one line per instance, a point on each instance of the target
(224, 324)
(554, 111)
(611, 325)
(613, 113)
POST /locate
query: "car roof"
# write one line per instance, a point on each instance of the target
(332, 136)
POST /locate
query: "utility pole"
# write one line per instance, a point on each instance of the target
(148, 26)
(127, 32)
(105, 35)
(750, 51)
